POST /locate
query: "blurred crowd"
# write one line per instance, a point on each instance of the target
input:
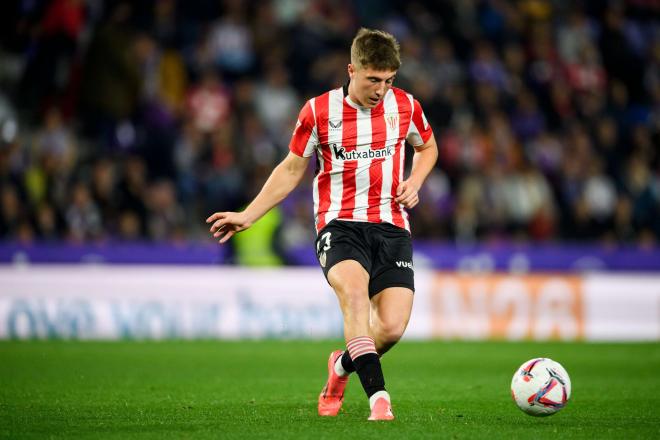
(134, 120)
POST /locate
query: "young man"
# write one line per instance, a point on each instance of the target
(358, 133)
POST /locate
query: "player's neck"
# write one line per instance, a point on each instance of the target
(352, 96)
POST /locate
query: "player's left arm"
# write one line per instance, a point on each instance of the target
(424, 160)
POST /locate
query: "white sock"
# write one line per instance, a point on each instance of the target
(339, 368)
(378, 395)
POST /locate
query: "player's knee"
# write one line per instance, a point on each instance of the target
(390, 332)
(354, 298)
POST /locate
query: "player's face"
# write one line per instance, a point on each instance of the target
(368, 86)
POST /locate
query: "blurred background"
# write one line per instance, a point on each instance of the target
(124, 124)
(133, 120)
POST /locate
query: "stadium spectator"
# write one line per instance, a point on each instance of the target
(275, 101)
(229, 46)
(165, 218)
(208, 103)
(50, 66)
(12, 212)
(110, 84)
(83, 217)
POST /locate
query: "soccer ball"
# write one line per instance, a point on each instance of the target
(541, 387)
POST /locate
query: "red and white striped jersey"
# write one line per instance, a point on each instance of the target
(360, 154)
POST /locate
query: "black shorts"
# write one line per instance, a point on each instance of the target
(384, 250)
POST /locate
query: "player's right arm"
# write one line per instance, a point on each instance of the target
(284, 178)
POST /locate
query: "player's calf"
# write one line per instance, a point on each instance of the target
(367, 364)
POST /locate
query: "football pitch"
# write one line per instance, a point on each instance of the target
(268, 389)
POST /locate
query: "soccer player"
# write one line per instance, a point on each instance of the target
(358, 133)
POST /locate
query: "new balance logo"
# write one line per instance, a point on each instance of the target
(342, 154)
(335, 125)
(407, 264)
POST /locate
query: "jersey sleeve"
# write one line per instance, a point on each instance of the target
(305, 135)
(419, 131)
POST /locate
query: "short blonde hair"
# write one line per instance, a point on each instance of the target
(376, 49)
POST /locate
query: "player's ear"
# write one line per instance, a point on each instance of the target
(351, 71)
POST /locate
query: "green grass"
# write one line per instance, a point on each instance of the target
(268, 390)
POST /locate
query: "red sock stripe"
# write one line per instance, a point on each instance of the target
(360, 346)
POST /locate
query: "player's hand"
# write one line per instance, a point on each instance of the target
(227, 224)
(406, 194)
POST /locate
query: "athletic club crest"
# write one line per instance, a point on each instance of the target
(392, 121)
